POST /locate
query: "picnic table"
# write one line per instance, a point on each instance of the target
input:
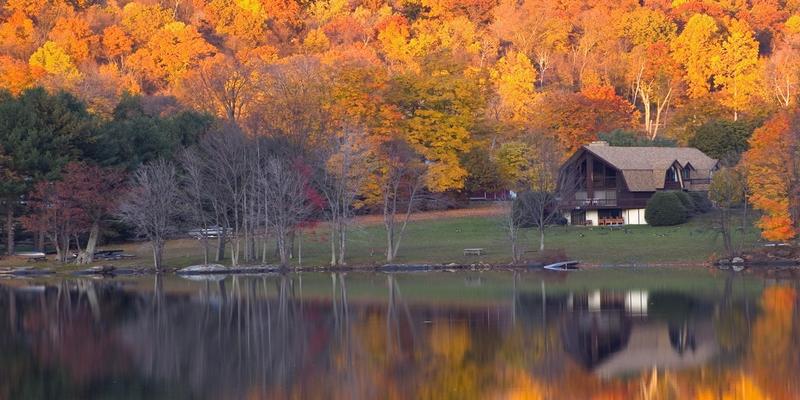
(474, 252)
(111, 255)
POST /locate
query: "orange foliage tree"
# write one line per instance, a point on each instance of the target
(772, 175)
(575, 119)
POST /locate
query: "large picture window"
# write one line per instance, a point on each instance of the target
(603, 176)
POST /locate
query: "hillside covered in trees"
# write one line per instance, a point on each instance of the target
(379, 101)
(489, 71)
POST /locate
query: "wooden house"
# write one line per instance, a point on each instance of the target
(613, 184)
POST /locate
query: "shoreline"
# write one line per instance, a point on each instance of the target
(221, 270)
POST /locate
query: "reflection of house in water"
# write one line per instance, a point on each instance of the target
(617, 333)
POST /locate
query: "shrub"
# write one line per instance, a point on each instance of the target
(702, 204)
(687, 201)
(665, 209)
(724, 140)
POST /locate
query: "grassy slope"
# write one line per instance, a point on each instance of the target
(443, 239)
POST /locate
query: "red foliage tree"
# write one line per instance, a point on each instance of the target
(74, 206)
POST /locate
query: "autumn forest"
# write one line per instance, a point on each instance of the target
(388, 99)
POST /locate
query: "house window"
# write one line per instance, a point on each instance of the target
(672, 176)
(598, 174)
(609, 213)
(611, 180)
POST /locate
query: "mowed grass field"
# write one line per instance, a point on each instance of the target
(441, 237)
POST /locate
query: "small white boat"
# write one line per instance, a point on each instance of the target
(562, 266)
(29, 254)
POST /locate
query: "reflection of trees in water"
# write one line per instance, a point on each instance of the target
(259, 337)
(57, 339)
(234, 334)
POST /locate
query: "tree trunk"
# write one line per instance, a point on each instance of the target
(158, 250)
(87, 255)
(300, 248)
(333, 244)
(282, 251)
(220, 246)
(541, 239)
(10, 229)
(205, 250)
(389, 243)
(61, 243)
(514, 249)
(726, 231)
(744, 223)
(342, 241)
(40, 238)
(59, 251)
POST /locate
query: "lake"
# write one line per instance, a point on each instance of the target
(596, 334)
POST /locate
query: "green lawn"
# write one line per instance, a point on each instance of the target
(443, 240)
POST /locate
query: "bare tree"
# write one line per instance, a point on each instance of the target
(401, 177)
(548, 206)
(221, 85)
(342, 174)
(285, 185)
(728, 190)
(291, 103)
(195, 196)
(547, 189)
(513, 223)
(151, 207)
(226, 152)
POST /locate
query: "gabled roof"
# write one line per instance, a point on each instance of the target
(644, 168)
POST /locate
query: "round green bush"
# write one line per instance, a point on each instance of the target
(665, 209)
(687, 201)
(701, 202)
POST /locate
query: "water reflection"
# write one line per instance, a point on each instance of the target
(364, 336)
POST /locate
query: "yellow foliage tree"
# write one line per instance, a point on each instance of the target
(241, 20)
(514, 79)
(142, 21)
(170, 53)
(393, 34)
(316, 41)
(440, 106)
(737, 67)
(55, 61)
(696, 49)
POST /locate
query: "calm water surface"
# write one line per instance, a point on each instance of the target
(610, 334)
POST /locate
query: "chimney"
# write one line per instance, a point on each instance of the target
(598, 143)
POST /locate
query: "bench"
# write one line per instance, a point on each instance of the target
(611, 221)
(473, 252)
